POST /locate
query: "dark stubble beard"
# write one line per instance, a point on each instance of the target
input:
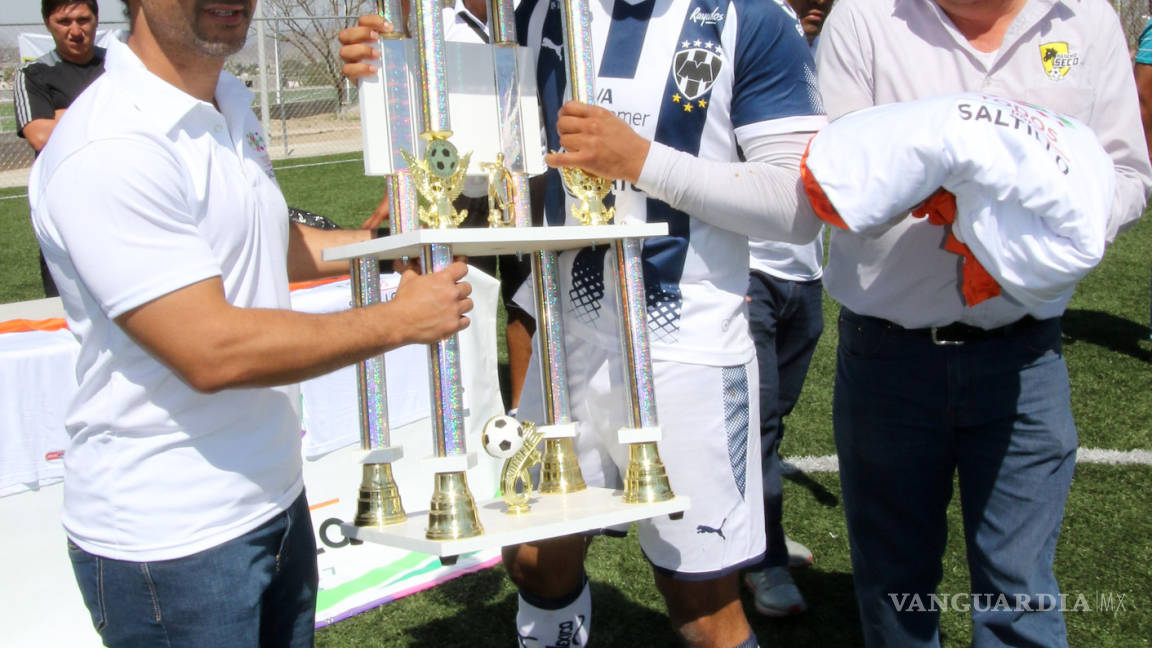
(192, 38)
(219, 48)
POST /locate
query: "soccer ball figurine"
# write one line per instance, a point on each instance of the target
(502, 436)
(442, 158)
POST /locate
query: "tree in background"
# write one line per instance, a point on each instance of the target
(310, 27)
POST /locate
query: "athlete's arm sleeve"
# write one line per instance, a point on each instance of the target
(30, 101)
(1116, 121)
(762, 197)
(775, 111)
(843, 62)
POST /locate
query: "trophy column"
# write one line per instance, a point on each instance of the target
(378, 502)
(439, 176)
(646, 480)
(560, 471)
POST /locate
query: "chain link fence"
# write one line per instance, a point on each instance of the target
(308, 109)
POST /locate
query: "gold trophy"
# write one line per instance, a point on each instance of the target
(506, 438)
(425, 171)
(439, 177)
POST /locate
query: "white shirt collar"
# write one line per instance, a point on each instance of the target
(164, 102)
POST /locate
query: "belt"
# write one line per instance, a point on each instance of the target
(956, 333)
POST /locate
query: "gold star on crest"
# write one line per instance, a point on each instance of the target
(703, 103)
(687, 107)
(676, 98)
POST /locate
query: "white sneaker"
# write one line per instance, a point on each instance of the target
(774, 593)
(798, 554)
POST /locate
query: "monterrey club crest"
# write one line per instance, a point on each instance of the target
(695, 67)
(1057, 59)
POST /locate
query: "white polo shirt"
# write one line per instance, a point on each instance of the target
(462, 26)
(1069, 56)
(143, 190)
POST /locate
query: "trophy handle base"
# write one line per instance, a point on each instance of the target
(646, 480)
(560, 471)
(378, 503)
(452, 514)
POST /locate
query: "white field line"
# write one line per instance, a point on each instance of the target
(312, 164)
(1114, 457)
(829, 463)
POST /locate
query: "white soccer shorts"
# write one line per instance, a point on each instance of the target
(710, 446)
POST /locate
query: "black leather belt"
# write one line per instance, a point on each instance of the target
(956, 333)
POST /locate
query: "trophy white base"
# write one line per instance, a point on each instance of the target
(389, 454)
(558, 431)
(502, 240)
(551, 516)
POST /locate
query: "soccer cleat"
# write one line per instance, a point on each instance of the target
(774, 593)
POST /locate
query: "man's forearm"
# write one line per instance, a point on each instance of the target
(37, 132)
(305, 245)
(213, 345)
(762, 197)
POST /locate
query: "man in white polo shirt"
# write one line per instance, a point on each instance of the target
(160, 218)
(927, 387)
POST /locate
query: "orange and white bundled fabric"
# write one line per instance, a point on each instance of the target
(1027, 191)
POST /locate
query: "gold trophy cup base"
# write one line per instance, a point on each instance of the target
(646, 480)
(378, 503)
(452, 514)
(559, 471)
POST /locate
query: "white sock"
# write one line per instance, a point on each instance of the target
(555, 623)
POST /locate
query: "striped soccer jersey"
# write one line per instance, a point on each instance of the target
(698, 76)
(50, 83)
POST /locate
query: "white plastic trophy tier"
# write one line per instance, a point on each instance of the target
(550, 515)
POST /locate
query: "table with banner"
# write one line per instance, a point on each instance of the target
(41, 604)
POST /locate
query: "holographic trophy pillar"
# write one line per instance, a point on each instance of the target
(378, 502)
(560, 472)
(439, 178)
(646, 479)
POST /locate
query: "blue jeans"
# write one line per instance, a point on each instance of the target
(256, 590)
(908, 416)
(786, 319)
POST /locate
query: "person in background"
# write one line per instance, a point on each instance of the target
(44, 88)
(929, 390)
(811, 14)
(1142, 68)
(161, 219)
(786, 316)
